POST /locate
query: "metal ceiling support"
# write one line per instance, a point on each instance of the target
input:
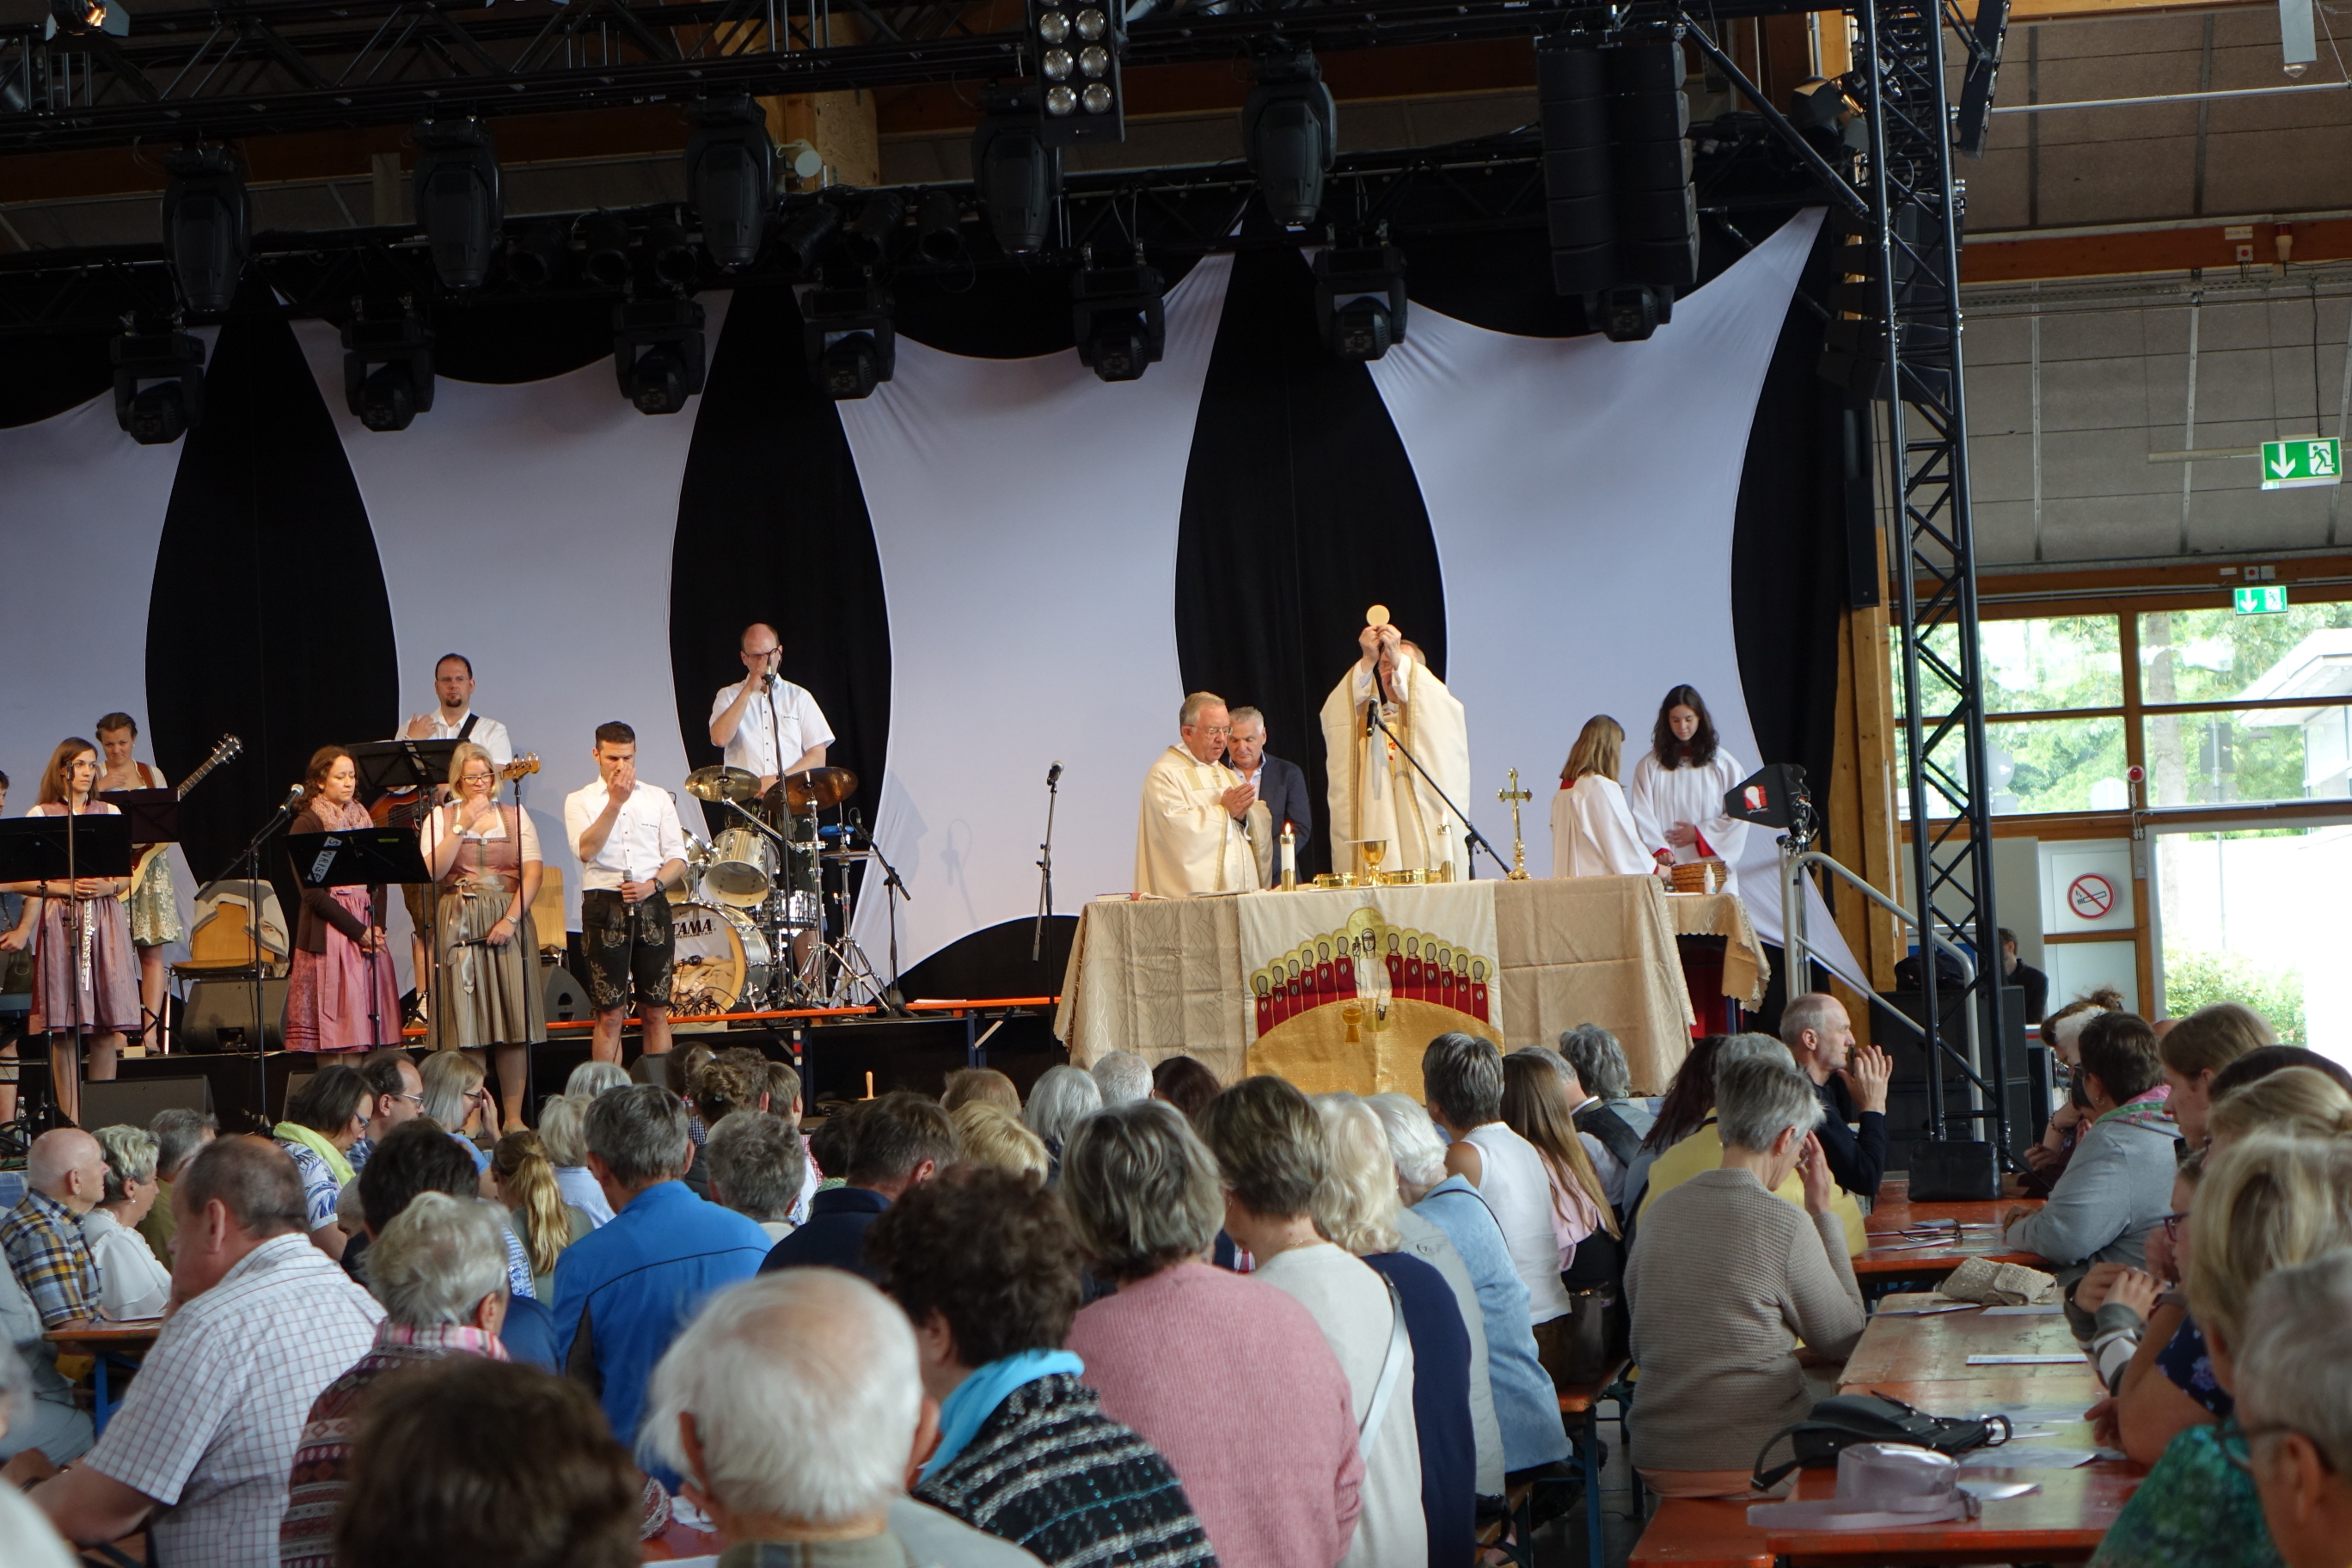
(1915, 210)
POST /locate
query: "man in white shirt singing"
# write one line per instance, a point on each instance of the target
(631, 850)
(769, 726)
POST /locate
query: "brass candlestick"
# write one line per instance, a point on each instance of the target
(1518, 845)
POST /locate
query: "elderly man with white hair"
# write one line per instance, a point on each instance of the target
(793, 1406)
(2294, 1381)
(1123, 1078)
(439, 1269)
(1726, 1280)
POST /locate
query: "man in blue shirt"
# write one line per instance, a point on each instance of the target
(623, 1290)
(897, 1141)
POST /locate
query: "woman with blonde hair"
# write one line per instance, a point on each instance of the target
(486, 868)
(2197, 1047)
(2269, 1202)
(85, 976)
(522, 1179)
(1356, 1206)
(1592, 831)
(2300, 1102)
(988, 1134)
(454, 1097)
(563, 1132)
(985, 1085)
(1591, 1254)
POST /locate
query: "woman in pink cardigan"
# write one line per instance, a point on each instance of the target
(1228, 1377)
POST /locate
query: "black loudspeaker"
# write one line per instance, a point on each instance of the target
(218, 1015)
(567, 999)
(134, 1102)
(1955, 1171)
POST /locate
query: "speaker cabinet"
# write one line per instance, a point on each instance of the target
(134, 1102)
(218, 1015)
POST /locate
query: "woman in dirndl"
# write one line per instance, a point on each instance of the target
(85, 979)
(485, 862)
(154, 899)
(339, 996)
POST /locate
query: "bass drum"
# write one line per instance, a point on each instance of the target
(721, 959)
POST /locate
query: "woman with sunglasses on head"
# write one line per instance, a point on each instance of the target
(485, 862)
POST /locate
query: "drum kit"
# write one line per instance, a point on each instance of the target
(751, 928)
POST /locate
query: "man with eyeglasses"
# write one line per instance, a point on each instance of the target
(1192, 837)
(395, 1094)
(769, 726)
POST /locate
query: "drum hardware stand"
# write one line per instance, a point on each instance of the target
(1045, 864)
(1470, 834)
(1514, 795)
(894, 888)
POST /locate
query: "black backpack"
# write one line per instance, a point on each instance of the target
(1840, 1421)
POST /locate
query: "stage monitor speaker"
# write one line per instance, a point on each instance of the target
(567, 999)
(134, 1102)
(218, 1015)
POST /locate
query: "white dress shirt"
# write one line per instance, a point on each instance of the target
(645, 835)
(488, 735)
(132, 1281)
(755, 748)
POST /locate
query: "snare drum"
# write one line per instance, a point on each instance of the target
(721, 959)
(742, 870)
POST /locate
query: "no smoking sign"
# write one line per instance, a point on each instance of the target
(2090, 896)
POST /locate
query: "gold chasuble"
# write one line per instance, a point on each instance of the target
(1185, 841)
(1375, 793)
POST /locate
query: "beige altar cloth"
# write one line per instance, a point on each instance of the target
(1160, 977)
(1747, 971)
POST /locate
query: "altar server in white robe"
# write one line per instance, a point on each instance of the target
(1592, 832)
(1678, 788)
(1192, 834)
(1376, 794)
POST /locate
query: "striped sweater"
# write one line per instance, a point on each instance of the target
(1050, 1472)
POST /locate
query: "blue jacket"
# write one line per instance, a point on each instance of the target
(835, 1236)
(1526, 1407)
(623, 1290)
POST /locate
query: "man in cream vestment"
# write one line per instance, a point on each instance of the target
(1375, 792)
(1192, 835)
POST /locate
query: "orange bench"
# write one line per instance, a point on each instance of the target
(1701, 1532)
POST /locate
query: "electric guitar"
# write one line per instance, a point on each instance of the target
(408, 808)
(228, 748)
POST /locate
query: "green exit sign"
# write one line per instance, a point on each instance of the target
(2267, 600)
(2290, 465)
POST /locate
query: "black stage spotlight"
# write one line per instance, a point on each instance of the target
(387, 371)
(605, 251)
(456, 192)
(848, 338)
(536, 255)
(730, 176)
(671, 251)
(1115, 315)
(158, 385)
(807, 234)
(1359, 300)
(1630, 312)
(1077, 45)
(79, 19)
(1290, 133)
(207, 220)
(1017, 175)
(939, 226)
(657, 352)
(872, 231)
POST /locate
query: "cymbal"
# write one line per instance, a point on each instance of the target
(818, 788)
(722, 783)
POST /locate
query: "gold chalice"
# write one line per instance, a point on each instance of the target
(1374, 848)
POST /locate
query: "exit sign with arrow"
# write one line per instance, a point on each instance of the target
(2290, 465)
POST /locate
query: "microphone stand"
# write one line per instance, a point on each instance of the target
(250, 858)
(1470, 834)
(1045, 864)
(893, 889)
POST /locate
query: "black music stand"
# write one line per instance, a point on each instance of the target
(423, 766)
(359, 856)
(62, 848)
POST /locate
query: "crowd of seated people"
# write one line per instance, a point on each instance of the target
(1136, 1317)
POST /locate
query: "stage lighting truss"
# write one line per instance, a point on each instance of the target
(1075, 46)
(1359, 300)
(455, 187)
(1117, 319)
(387, 371)
(657, 352)
(1290, 134)
(852, 348)
(207, 225)
(730, 176)
(159, 384)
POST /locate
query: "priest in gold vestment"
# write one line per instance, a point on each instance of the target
(1192, 836)
(1376, 794)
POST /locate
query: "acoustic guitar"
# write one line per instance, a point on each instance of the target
(229, 747)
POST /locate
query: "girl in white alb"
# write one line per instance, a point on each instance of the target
(1678, 788)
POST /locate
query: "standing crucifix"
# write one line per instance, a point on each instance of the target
(1514, 795)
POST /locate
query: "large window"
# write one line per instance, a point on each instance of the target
(2231, 709)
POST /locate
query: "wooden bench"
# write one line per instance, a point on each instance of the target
(1582, 1401)
(1701, 1532)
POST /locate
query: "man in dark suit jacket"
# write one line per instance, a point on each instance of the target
(1279, 784)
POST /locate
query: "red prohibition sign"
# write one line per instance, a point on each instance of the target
(2090, 896)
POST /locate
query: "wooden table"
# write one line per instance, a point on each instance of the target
(118, 1345)
(1936, 1348)
(1896, 1261)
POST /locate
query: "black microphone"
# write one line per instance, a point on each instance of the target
(1052, 775)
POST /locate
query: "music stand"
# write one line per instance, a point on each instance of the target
(421, 765)
(62, 848)
(358, 857)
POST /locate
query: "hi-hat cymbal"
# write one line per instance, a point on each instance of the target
(722, 783)
(819, 788)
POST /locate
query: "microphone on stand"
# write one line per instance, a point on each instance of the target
(1054, 775)
(294, 796)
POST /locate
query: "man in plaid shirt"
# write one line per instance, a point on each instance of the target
(65, 1174)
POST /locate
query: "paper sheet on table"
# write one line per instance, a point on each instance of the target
(2021, 1417)
(2039, 1310)
(2069, 1359)
(2006, 1458)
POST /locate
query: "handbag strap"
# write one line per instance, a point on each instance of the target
(1392, 1373)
